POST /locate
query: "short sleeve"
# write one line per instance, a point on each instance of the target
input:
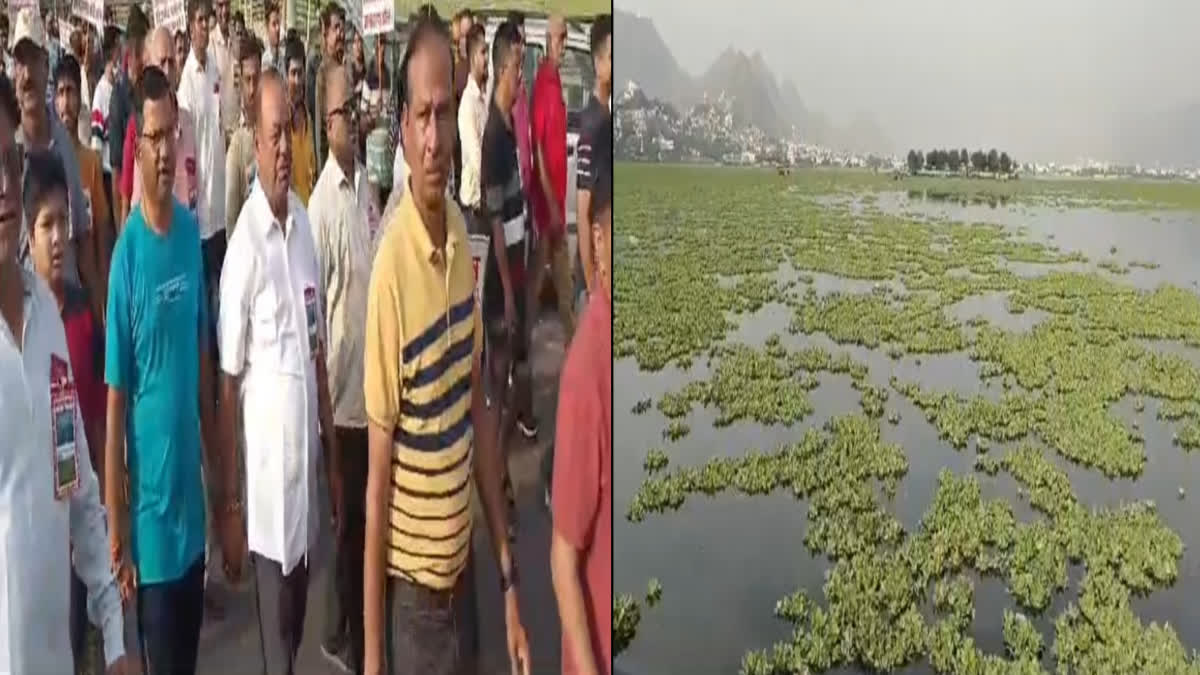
(575, 492)
(129, 141)
(383, 337)
(118, 342)
(491, 178)
(234, 304)
(585, 175)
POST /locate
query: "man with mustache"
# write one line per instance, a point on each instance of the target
(40, 129)
(273, 344)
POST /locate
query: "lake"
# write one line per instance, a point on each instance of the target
(725, 560)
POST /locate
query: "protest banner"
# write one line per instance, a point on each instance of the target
(91, 11)
(378, 16)
(171, 14)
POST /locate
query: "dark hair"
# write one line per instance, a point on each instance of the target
(427, 11)
(68, 68)
(476, 35)
(110, 42)
(4, 24)
(238, 17)
(506, 37)
(331, 9)
(251, 48)
(8, 101)
(293, 50)
(153, 86)
(180, 34)
(272, 8)
(464, 13)
(293, 34)
(44, 175)
(138, 25)
(601, 31)
(199, 8)
(426, 29)
(516, 17)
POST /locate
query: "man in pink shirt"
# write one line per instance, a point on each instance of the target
(160, 53)
(581, 546)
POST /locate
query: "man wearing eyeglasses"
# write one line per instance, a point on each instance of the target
(341, 209)
(239, 159)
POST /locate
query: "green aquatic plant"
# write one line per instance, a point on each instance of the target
(653, 592)
(641, 406)
(656, 460)
(676, 430)
(627, 614)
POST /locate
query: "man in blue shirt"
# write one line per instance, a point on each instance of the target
(160, 403)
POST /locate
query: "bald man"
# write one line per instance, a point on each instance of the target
(274, 381)
(342, 208)
(160, 52)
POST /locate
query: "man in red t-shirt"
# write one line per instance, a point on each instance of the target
(549, 187)
(581, 547)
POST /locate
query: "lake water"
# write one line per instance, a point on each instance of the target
(724, 561)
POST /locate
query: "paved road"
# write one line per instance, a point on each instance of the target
(231, 645)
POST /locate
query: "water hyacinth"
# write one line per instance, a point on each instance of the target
(1049, 394)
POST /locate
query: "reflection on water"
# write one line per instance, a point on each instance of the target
(724, 561)
(991, 201)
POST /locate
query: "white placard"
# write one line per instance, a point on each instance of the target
(91, 11)
(171, 14)
(378, 16)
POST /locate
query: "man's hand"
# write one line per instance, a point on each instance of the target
(120, 666)
(518, 646)
(510, 310)
(233, 543)
(335, 500)
(121, 567)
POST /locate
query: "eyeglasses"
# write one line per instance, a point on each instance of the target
(349, 109)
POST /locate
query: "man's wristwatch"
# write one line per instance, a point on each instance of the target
(510, 580)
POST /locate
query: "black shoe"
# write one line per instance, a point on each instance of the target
(528, 427)
(337, 656)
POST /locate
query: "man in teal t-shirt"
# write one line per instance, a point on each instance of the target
(158, 370)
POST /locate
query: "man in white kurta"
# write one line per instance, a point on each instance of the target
(49, 498)
(272, 345)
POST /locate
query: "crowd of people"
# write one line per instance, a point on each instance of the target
(245, 274)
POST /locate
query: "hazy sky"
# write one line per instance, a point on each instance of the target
(1043, 79)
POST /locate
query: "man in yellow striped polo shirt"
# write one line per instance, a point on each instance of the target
(426, 410)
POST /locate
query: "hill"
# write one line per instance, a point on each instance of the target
(759, 97)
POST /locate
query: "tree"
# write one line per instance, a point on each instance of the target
(979, 161)
(1005, 163)
(920, 161)
(912, 162)
(954, 161)
(964, 158)
(993, 161)
(1016, 168)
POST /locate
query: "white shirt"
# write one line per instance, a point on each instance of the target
(264, 332)
(199, 92)
(37, 529)
(472, 113)
(218, 51)
(341, 215)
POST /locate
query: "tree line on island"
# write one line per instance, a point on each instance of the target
(955, 161)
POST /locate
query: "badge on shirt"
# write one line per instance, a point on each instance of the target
(310, 313)
(62, 431)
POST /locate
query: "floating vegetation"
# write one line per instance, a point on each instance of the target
(676, 430)
(627, 614)
(656, 460)
(1050, 394)
(653, 592)
(641, 406)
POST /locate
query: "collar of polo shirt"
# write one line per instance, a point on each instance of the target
(428, 250)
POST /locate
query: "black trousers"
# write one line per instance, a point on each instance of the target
(169, 616)
(433, 632)
(282, 601)
(344, 609)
